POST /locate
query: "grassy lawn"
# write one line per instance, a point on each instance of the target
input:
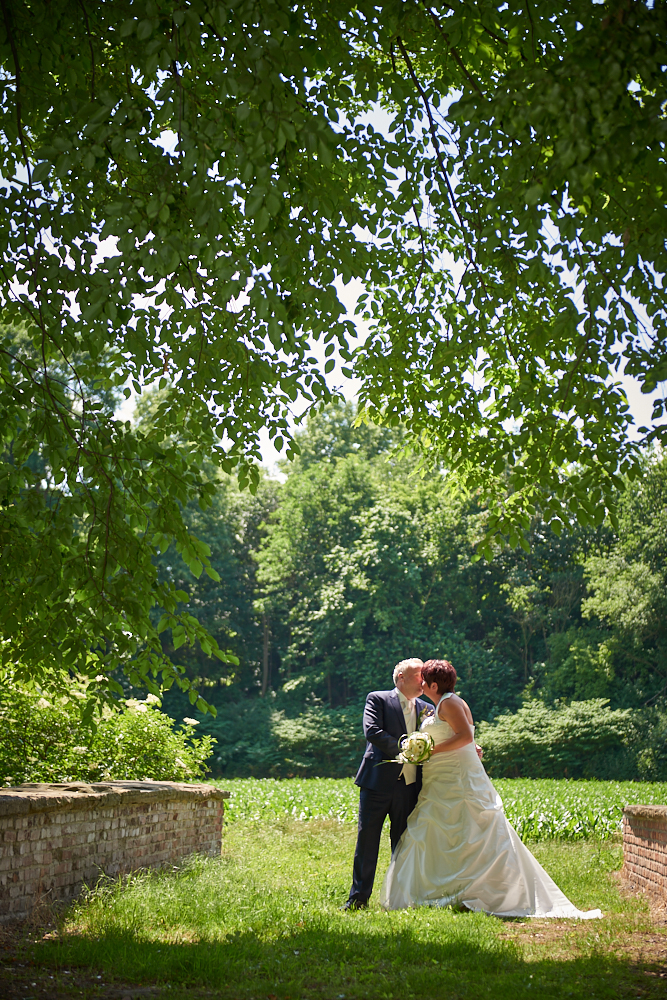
(264, 921)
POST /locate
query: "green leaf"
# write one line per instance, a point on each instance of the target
(41, 172)
(144, 29)
(533, 194)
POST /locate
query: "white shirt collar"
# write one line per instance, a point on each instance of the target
(405, 702)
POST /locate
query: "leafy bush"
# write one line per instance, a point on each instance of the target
(41, 740)
(278, 740)
(585, 739)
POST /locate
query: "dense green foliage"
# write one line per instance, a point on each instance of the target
(584, 739)
(183, 184)
(538, 810)
(42, 740)
(505, 363)
(355, 562)
(227, 608)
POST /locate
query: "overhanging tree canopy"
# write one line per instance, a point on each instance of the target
(182, 183)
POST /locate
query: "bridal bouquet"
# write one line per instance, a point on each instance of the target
(416, 748)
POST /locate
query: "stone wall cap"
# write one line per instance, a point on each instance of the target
(35, 797)
(648, 812)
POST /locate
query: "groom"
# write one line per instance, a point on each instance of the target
(386, 789)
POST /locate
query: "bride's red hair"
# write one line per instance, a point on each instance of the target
(439, 672)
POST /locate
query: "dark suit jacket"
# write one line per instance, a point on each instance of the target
(383, 727)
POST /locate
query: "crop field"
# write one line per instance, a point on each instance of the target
(538, 809)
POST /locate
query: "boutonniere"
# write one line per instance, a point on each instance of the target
(424, 714)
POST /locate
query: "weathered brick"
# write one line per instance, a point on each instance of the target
(58, 850)
(645, 847)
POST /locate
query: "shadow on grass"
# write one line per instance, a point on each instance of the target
(445, 956)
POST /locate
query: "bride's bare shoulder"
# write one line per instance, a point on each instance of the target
(457, 701)
(466, 708)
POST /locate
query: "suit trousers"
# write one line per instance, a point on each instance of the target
(374, 807)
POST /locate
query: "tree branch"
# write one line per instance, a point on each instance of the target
(454, 54)
(17, 67)
(436, 145)
(92, 51)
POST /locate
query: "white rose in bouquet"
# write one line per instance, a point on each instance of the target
(416, 748)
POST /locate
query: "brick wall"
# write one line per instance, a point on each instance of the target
(645, 846)
(56, 838)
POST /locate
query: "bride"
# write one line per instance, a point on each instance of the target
(458, 848)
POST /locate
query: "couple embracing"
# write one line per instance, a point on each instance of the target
(451, 843)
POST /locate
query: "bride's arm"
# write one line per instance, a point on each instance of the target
(463, 732)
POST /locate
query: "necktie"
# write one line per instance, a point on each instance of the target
(409, 771)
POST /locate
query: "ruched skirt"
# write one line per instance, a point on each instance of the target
(460, 850)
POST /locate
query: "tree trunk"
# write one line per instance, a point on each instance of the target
(265, 657)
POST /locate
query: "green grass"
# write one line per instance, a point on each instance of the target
(265, 920)
(538, 809)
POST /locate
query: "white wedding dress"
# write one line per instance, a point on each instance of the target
(459, 849)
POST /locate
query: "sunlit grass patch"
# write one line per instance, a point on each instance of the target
(265, 919)
(271, 916)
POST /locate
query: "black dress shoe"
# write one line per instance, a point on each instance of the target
(356, 904)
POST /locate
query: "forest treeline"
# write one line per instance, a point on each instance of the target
(357, 560)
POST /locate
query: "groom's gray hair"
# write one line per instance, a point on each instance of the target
(412, 664)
